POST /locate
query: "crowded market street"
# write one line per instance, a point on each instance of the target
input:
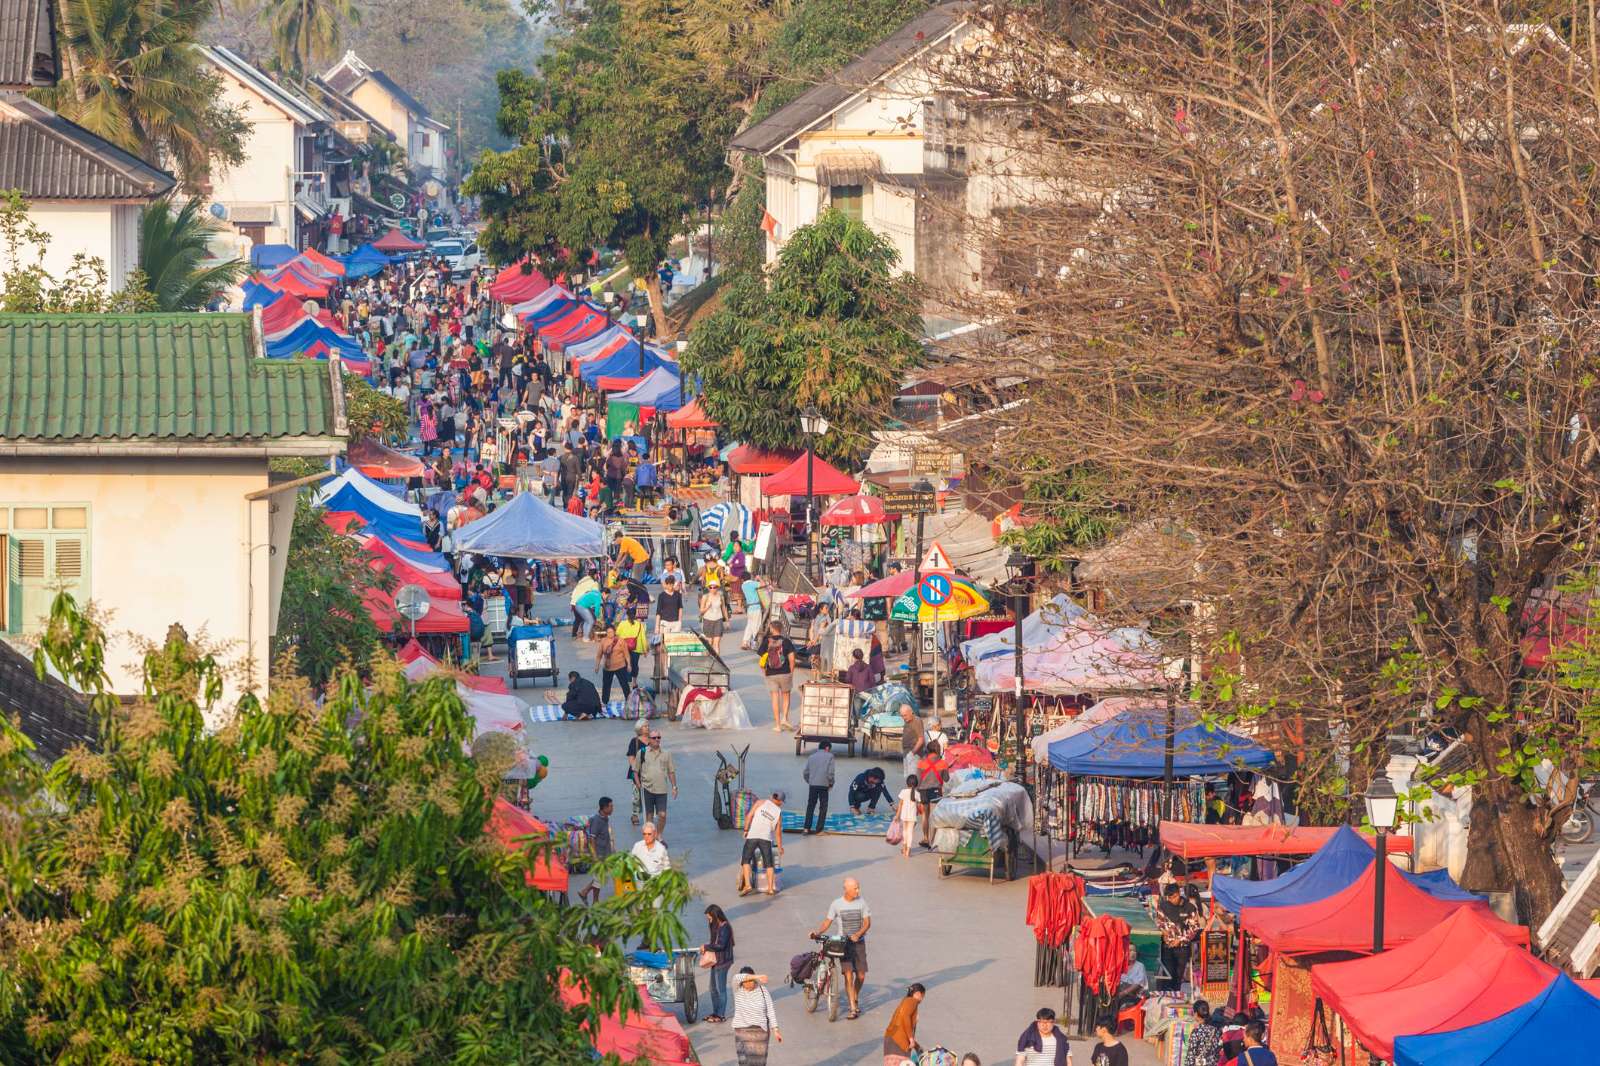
(962, 937)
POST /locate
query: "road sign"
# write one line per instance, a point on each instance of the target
(904, 503)
(937, 559)
(930, 638)
(934, 590)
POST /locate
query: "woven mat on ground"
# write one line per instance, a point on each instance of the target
(552, 712)
(863, 824)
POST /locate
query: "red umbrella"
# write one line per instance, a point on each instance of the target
(855, 511)
(895, 585)
(961, 756)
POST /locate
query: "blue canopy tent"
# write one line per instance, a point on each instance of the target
(1334, 867)
(1557, 1025)
(258, 295)
(529, 528)
(383, 522)
(423, 560)
(1134, 745)
(549, 312)
(308, 333)
(623, 363)
(662, 389)
(364, 262)
(271, 256)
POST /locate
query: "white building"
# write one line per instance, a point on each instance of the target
(280, 191)
(886, 142)
(421, 134)
(139, 482)
(85, 193)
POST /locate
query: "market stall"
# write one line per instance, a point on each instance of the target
(1557, 1025)
(979, 823)
(529, 528)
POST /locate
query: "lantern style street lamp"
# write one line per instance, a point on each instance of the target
(1383, 808)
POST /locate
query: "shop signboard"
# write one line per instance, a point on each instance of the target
(910, 502)
(533, 655)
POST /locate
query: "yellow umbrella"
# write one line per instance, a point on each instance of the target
(957, 599)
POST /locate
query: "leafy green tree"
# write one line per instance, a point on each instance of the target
(1067, 513)
(133, 77)
(322, 615)
(27, 288)
(372, 414)
(308, 883)
(305, 32)
(619, 144)
(174, 246)
(836, 329)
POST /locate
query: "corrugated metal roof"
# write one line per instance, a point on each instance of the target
(822, 100)
(298, 107)
(53, 716)
(49, 158)
(154, 377)
(27, 44)
(1570, 936)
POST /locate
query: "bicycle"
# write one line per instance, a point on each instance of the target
(1579, 826)
(827, 975)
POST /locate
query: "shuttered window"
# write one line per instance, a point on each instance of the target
(46, 551)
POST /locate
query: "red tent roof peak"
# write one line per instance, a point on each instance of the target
(825, 480)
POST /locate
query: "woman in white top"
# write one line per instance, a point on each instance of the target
(906, 811)
(755, 1023)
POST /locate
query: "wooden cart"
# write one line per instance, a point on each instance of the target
(827, 712)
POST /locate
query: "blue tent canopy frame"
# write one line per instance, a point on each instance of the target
(1332, 868)
(529, 528)
(1559, 1022)
(271, 256)
(1134, 745)
(623, 363)
(662, 389)
(386, 524)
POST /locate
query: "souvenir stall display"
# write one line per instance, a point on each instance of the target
(1108, 812)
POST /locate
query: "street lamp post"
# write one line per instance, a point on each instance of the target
(643, 322)
(1016, 566)
(812, 424)
(1383, 806)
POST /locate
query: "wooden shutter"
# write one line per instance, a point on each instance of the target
(69, 570)
(31, 605)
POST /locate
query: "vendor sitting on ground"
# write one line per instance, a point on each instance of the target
(583, 699)
(867, 789)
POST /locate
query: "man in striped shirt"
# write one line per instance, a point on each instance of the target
(851, 918)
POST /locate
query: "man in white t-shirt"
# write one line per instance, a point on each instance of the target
(763, 832)
(651, 852)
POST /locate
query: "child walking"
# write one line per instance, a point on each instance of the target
(906, 811)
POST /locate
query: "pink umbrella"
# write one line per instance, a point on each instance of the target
(895, 584)
(855, 511)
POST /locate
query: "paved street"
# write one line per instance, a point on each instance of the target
(961, 937)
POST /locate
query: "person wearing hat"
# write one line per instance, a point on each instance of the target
(755, 1022)
(713, 615)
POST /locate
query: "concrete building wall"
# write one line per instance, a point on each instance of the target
(107, 231)
(169, 541)
(265, 178)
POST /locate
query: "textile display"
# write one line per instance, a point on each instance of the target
(845, 822)
(992, 807)
(1112, 812)
(552, 712)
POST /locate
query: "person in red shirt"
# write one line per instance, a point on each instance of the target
(575, 504)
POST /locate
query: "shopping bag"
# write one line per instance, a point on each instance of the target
(896, 832)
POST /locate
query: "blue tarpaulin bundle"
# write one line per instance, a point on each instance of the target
(1334, 867)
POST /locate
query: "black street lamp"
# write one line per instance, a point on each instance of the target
(1383, 808)
(1017, 565)
(813, 425)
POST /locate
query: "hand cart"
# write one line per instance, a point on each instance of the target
(531, 652)
(668, 977)
(974, 853)
(827, 712)
(691, 664)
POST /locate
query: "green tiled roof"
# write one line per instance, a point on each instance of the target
(161, 378)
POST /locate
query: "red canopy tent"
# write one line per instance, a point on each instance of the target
(444, 616)
(520, 288)
(566, 321)
(691, 416)
(1343, 921)
(376, 460)
(748, 459)
(609, 384)
(344, 522)
(282, 314)
(414, 651)
(652, 1035)
(327, 263)
(395, 241)
(1191, 841)
(1461, 972)
(297, 284)
(510, 825)
(440, 586)
(825, 480)
(855, 511)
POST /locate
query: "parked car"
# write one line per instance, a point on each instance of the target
(464, 259)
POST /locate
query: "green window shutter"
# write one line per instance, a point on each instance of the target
(13, 566)
(70, 567)
(32, 603)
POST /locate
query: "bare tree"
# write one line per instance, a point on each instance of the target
(1316, 283)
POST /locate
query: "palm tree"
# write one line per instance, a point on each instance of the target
(304, 31)
(134, 77)
(173, 249)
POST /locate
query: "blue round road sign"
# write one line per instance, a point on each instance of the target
(934, 589)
